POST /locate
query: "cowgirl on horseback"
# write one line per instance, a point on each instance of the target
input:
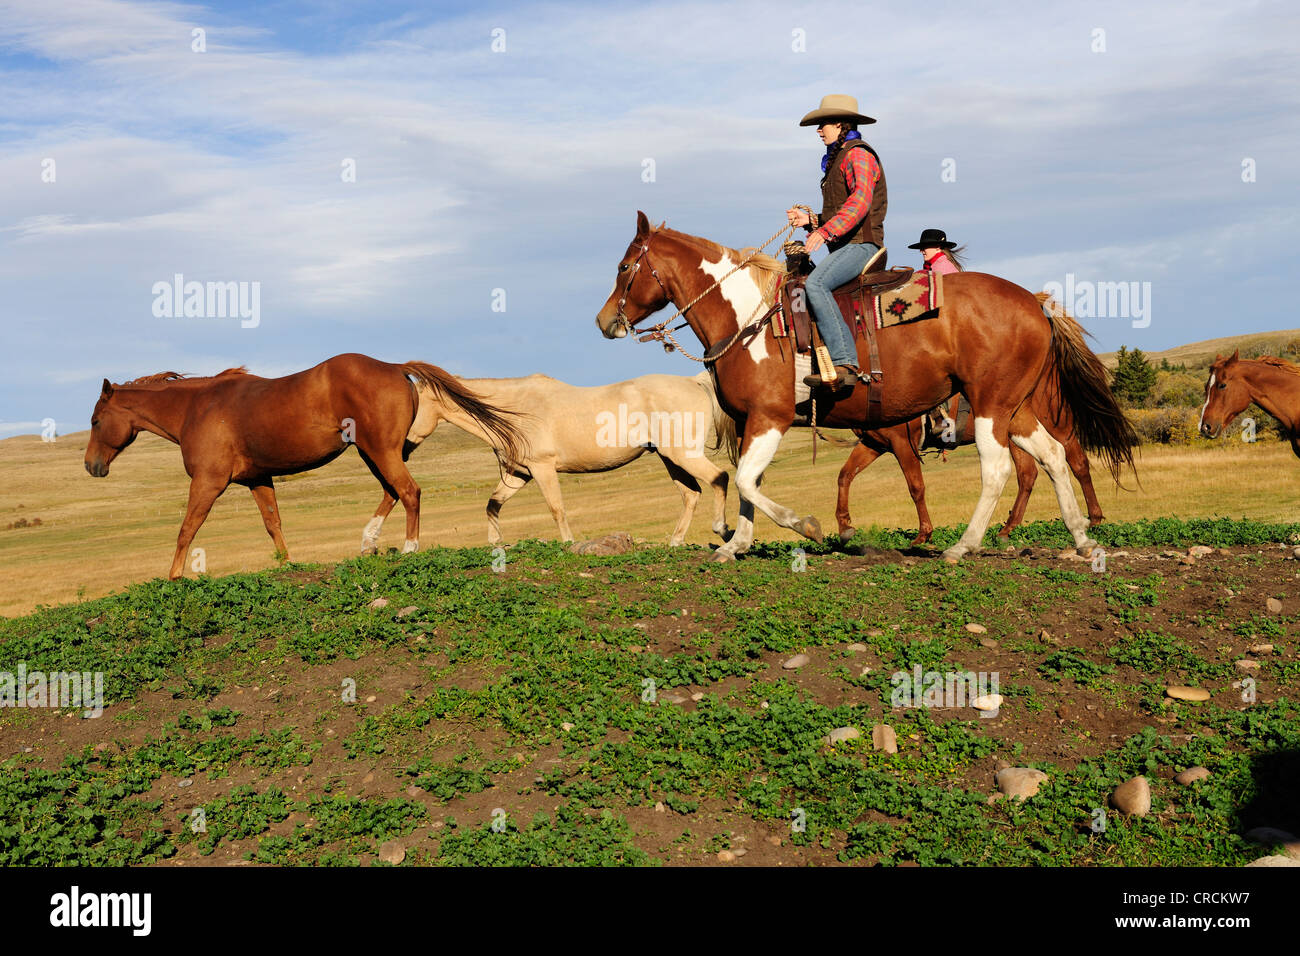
(940, 254)
(851, 225)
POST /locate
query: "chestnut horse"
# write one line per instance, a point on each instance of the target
(1271, 383)
(993, 341)
(906, 442)
(243, 429)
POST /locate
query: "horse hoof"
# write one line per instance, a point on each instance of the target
(1085, 550)
(954, 554)
(810, 528)
(369, 549)
(847, 532)
(722, 557)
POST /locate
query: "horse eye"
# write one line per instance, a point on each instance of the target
(1222, 385)
(622, 267)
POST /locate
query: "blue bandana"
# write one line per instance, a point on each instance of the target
(834, 148)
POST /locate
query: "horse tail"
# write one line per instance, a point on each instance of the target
(1083, 385)
(724, 426)
(497, 422)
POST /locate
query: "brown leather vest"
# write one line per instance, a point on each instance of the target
(835, 191)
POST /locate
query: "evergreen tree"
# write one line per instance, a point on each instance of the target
(1134, 377)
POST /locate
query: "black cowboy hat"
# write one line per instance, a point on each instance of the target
(933, 239)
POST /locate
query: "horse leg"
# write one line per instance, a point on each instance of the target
(706, 472)
(264, 494)
(1029, 434)
(390, 471)
(690, 489)
(859, 458)
(755, 455)
(1026, 475)
(1077, 459)
(204, 490)
(900, 443)
(549, 483)
(370, 534)
(1062, 429)
(995, 469)
(506, 489)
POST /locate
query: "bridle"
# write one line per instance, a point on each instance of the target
(633, 269)
(660, 332)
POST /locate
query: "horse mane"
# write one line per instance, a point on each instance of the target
(761, 267)
(162, 378)
(1281, 363)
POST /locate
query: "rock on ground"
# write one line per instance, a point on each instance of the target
(1132, 797)
(1022, 782)
(1191, 775)
(1275, 861)
(841, 734)
(616, 543)
(1187, 693)
(884, 738)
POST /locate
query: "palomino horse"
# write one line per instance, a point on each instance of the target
(993, 341)
(240, 428)
(1271, 383)
(905, 442)
(576, 430)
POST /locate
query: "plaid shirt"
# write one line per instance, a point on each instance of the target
(861, 172)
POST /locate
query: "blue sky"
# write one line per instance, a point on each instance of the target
(522, 169)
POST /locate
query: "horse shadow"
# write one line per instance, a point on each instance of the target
(1276, 798)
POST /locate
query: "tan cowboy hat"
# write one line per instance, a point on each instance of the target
(836, 106)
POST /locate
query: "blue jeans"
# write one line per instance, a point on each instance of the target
(839, 267)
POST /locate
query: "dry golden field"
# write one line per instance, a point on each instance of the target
(99, 535)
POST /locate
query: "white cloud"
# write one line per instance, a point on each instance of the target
(522, 169)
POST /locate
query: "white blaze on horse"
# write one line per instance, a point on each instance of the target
(992, 340)
(571, 429)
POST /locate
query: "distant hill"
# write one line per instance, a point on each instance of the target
(1199, 355)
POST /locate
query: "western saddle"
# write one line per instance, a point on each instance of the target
(854, 300)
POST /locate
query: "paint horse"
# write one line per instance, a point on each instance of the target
(577, 430)
(238, 428)
(993, 341)
(1271, 383)
(906, 442)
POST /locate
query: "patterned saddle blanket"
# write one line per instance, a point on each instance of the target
(884, 299)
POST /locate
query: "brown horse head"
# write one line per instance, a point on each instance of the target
(112, 428)
(638, 291)
(1226, 395)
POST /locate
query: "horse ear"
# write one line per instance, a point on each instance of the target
(1236, 353)
(642, 224)
(107, 390)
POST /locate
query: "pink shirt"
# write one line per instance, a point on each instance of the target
(941, 264)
